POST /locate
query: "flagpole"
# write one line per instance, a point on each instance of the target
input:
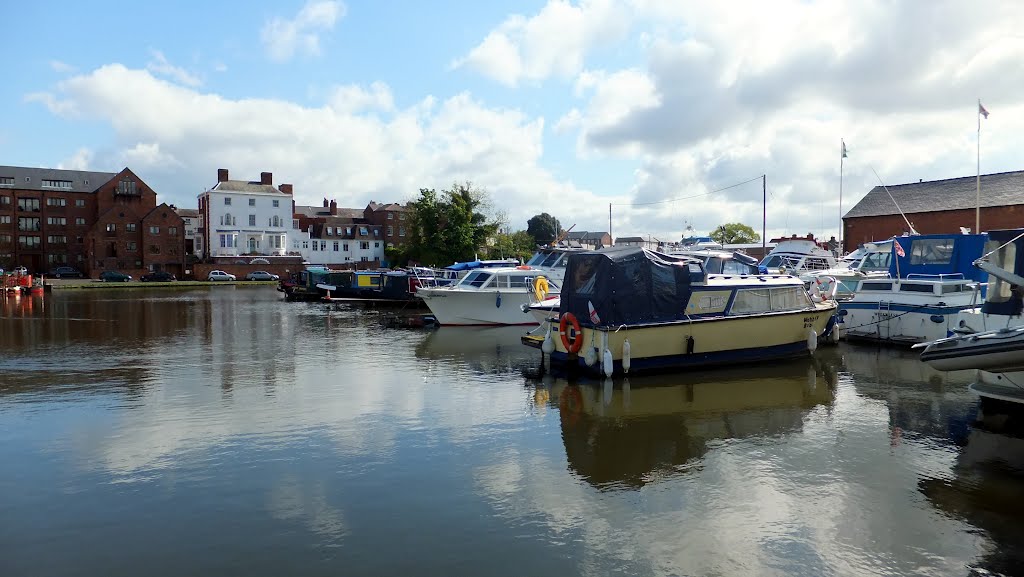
(977, 192)
(842, 153)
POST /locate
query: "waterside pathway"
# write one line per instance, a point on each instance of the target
(220, 430)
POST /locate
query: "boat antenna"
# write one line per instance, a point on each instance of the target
(910, 226)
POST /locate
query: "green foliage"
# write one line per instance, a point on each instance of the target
(519, 245)
(734, 233)
(445, 227)
(544, 228)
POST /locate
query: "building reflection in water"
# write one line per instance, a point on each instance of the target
(632, 431)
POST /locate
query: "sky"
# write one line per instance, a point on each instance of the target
(644, 112)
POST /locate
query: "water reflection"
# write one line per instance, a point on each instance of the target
(482, 349)
(641, 429)
(985, 485)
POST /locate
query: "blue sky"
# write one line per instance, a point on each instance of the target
(559, 107)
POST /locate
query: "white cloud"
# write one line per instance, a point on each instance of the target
(61, 67)
(159, 65)
(283, 38)
(555, 42)
(356, 147)
(81, 160)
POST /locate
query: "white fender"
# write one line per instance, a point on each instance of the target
(835, 334)
(590, 357)
(812, 340)
(625, 356)
(548, 346)
(609, 365)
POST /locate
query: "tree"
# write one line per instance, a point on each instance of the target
(734, 233)
(544, 228)
(446, 227)
(519, 245)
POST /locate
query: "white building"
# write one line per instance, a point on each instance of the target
(193, 242)
(245, 218)
(336, 236)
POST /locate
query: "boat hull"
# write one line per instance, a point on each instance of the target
(699, 342)
(898, 323)
(997, 351)
(454, 307)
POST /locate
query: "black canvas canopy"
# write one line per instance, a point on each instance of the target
(628, 285)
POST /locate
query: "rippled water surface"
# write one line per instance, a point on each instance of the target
(223, 431)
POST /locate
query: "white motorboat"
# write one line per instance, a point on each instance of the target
(800, 257)
(870, 261)
(930, 281)
(493, 296)
(991, 337)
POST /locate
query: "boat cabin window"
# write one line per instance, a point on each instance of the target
(876, 261)
(955, 288)
(477, 278)
(737, 267)
(908, 287)
(714, 265)
(932, 251)
(999, 291)
(762, 300)
(514, 281)
(876, 286)
(815, 264)
(585, 276)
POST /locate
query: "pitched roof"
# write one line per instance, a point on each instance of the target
(32, 178)
(391, 206)
(325, 212)
(623, 239)
(187, 212)
(584, 235)
(245, 186)
(1001, 189)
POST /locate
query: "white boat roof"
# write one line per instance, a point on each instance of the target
(753, 280)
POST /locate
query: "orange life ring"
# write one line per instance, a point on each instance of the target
(821, 292)
(574, 345)
(523, 267)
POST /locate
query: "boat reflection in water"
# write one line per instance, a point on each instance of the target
(984, 488)
(635, 430)
(490, 349)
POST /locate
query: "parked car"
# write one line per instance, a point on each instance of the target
(261, 275)
(216, 275)
(66, 272)
(19, 270)
(114, 276)
(158, 276)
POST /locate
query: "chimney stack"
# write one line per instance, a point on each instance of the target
(334, 208)
(326, 204)
(285, 188)
(267, 178)
(222, 175)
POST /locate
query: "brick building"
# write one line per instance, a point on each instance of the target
(392, 219)
(934, 207)
(331, 235)
(93, 221)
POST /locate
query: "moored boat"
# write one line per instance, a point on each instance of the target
(800, 257)
(490, 296)
(632, 309)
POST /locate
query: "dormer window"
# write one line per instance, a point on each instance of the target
(362, 231)
(330, 231)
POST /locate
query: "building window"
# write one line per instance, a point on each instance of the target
(391, 216)
(28, 241)
(132, 247)
(252, 202)
(56, 202)
(56, 220)
(55, 259)
(391, 230)
(401, 216)
(277, 203)
(172, 230)
(5, 239)
(227, 240)
(305, 244)
(227, 201)
(57, 239)
(130, 227)
(79, 202)
(344, 247)
(336, 243)
(364, 245)
(127, 186)
(330, 231)
(348, 231)
(80, 221)
(364, 258)
(5, 200)
(376, 245)
(111, 227)
(4, 219)
(56, 183)
(252, 220)
(28, 223)
(401, 231)
(6, 181)
(154, 230)
(315, 245)
(362, 231)
(376, 232)
(28, 204)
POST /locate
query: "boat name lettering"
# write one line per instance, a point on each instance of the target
(809, 321)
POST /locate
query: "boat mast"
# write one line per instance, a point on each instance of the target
(842, 155)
